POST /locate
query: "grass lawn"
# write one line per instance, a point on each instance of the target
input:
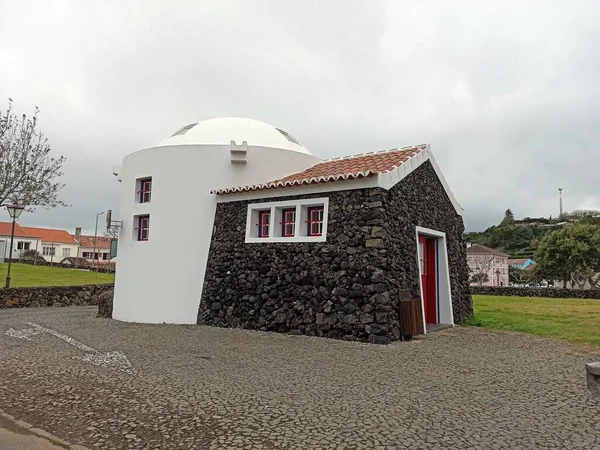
(570, 319)
(28, 275)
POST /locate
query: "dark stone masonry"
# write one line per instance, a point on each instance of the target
(346, 287)
(52, 296)
(536, 292)
(105, 304)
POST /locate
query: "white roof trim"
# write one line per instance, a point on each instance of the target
(388, 180)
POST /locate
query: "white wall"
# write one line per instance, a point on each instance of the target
(58, 253)
(82, 250)
(160, 280)
(16, 253)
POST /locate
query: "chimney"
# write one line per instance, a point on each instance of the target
(78, 234)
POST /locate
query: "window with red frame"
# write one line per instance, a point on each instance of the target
(143, 228)
(288, 222)
(315, 221)
(145, 190)
(264, 220)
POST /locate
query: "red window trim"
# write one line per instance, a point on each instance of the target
(143, 224)
(145, 191)
(263, 225)
(285, 222)
(310, 220)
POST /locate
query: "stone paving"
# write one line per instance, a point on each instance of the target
(197, 387)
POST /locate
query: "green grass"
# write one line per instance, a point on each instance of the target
(23, 275)
(570, 319)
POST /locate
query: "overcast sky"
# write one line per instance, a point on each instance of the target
(507, 93)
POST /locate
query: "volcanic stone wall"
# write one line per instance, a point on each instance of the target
(23, 297)
(346, 287)
(420, 200)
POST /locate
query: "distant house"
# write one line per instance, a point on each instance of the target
(487, 266)
(93, 248)
(521, 263)
(55, 244)
(23, 241)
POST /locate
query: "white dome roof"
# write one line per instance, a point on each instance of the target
(223, 131)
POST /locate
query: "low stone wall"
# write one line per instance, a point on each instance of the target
(52, 296)
(536, 292)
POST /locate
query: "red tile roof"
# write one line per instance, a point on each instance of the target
(6, 229)
(88, 242)
(49, 235)
(344, 168)
(518, 261)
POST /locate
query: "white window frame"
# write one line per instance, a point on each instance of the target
(49, 250)
(66, 252)
(300, 230)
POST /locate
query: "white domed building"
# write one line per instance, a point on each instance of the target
(168, 210)
(233, 222)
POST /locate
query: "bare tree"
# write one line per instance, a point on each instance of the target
(28, 174)
(479, 266)
(111, 233)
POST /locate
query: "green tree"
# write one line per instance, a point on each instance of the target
(509, 218)
(569, 254)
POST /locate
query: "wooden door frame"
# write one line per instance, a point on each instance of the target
(444, 293)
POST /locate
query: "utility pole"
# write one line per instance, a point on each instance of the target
(560, 206)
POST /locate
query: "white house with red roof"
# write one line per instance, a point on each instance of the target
(278, 239)
(488, 266)
(22, 241)
(54, 244)
(94, 248)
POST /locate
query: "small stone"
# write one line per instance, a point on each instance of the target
(349, 308)
(216, 306)
(378, 232)
(320, 318)
(350, 318)
(374, 205)
(378, 275)
(379, 329)
(366, 318)
(375, 339)
(375, 243)
(381, 317)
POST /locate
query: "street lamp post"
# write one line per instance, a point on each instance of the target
(14, 211)
(94, 259)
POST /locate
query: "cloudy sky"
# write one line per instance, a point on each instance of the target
(507, 93)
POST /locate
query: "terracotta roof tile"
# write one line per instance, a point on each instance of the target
(6, 229)
(344, 168)
(50, 235)
(88, 242)
(518, 261)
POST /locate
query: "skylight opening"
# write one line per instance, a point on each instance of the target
(288, 136)
(184, 130)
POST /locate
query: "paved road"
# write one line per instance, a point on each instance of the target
(205, 388)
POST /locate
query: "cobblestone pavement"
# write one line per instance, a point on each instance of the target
(206, 388)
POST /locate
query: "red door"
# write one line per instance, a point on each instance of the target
(427, 259)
